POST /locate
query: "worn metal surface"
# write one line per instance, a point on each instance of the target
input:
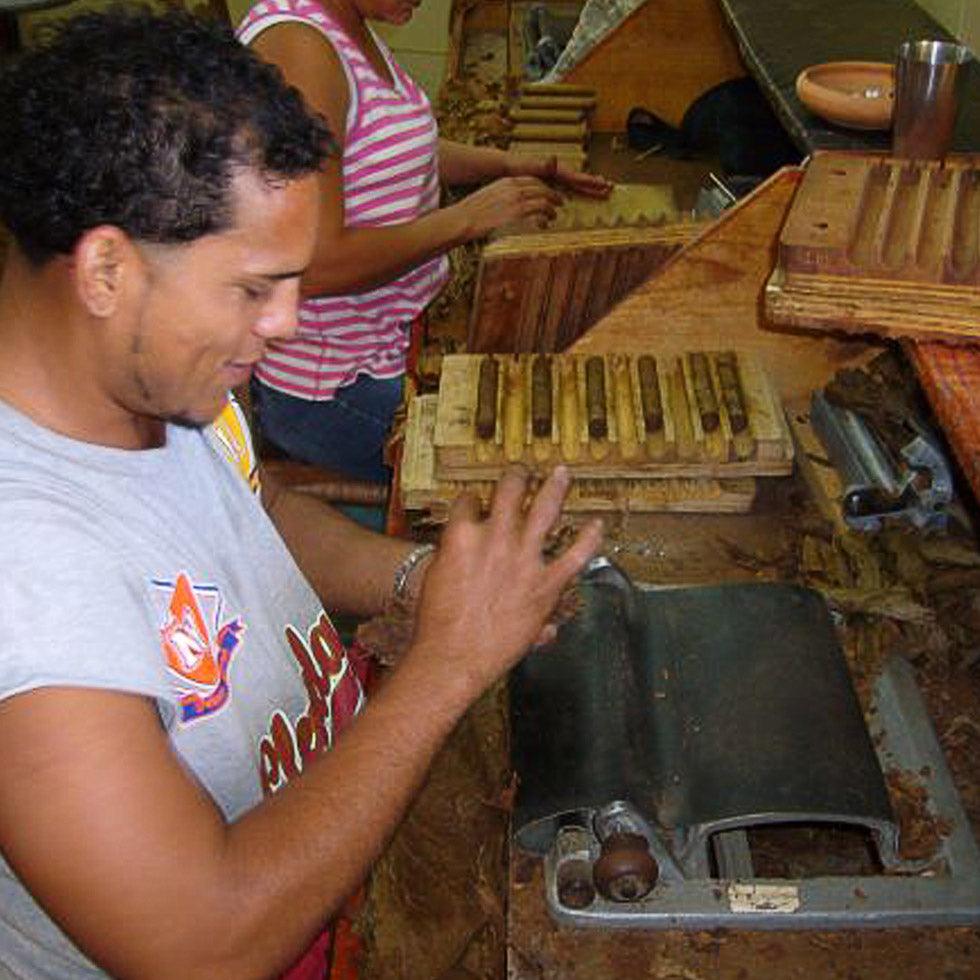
(915, 485)
(705, 708)
(687, 715)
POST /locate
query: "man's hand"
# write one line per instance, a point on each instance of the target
(488, 593)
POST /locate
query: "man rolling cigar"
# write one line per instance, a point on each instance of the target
(193, 779)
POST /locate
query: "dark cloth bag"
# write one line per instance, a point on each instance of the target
(732, 121)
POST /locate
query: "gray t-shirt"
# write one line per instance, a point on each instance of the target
(158, 573)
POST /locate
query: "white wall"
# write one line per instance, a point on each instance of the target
(422, 44)
(959, 17)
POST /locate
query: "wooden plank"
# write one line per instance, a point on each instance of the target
(662, 57)
(602, 297)
(873, 306)
(628, 205)
(573, 320)
(499, 294)
(561, 286)
(532, 243)
(528, 322)
(544, 149)
(708, 295)
(456, 409)
(818, 471)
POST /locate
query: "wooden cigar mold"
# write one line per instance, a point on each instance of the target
(874, 243)
(877, 215)
(696, 414)
(422, 491)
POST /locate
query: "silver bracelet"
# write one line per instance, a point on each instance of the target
(407, 565)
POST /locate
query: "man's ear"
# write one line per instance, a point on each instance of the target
(105, 259)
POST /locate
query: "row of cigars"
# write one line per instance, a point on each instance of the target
(552, 120)
(613, 415)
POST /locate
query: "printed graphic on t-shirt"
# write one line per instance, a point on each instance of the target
(334, 696)
(231, 437)
(198, 647)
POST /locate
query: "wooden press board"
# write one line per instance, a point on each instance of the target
(877, 244)
(539, 292)
(628, 206)
(422, 491)
(681, 447)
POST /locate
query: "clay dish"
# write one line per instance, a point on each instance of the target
(855, 94)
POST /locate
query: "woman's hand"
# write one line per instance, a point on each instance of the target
(489, 592)
(506, 201)
(551, 171)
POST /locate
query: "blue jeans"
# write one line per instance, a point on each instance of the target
(346, 433)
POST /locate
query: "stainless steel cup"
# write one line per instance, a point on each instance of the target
(928, 80)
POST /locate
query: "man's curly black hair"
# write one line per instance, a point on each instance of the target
(141, 120)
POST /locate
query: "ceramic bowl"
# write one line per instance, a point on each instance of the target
(855, 94)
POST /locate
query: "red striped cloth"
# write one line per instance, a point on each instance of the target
(390, 176)
(950, 376)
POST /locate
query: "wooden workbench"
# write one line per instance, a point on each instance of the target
(710, 294)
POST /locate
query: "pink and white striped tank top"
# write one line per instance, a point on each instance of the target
(390, 176)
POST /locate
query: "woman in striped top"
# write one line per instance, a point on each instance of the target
(327, 395)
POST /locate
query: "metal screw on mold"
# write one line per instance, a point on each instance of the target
(573, 879)
(575, 888)
(625, 870)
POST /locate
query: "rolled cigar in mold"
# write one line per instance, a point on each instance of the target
(704, 392)
(595, 397)
(731, 391)
(486, 399)
(541, 396)
(653, 409)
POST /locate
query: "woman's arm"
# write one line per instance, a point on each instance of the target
(355, 259)
(462, 164)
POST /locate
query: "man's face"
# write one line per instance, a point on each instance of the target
(205, 311)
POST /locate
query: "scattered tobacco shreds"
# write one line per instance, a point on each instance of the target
(920, 831)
